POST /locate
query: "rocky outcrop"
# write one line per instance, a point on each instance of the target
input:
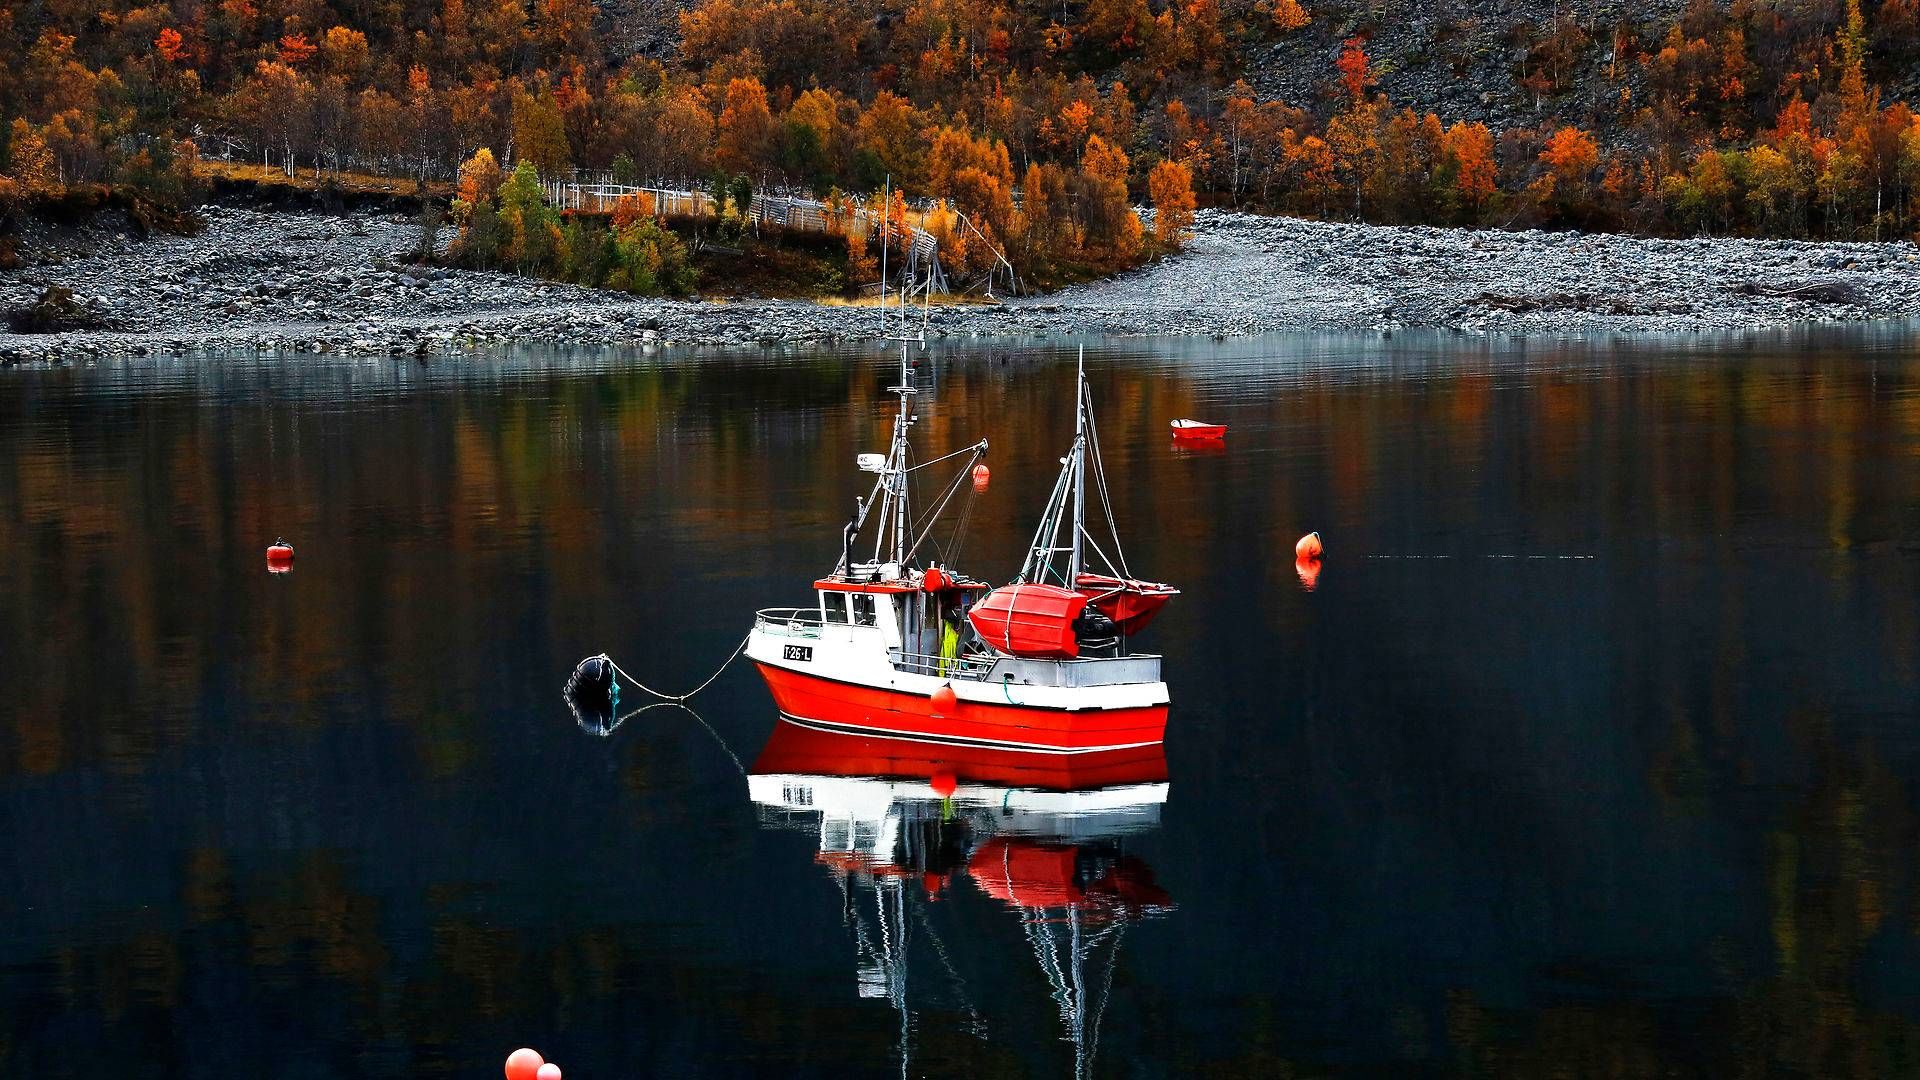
(56, 310)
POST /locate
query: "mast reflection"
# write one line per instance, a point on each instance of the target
(902, 824)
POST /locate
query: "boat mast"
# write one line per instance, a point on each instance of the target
(1079, 468)
(898, 461)
(896, 488)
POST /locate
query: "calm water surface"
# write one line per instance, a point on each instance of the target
(1597, 746)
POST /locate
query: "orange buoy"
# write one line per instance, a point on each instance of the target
(1309, 571)
(944, 784)
(944, 699)
(524, 1064)
(933, 580)
(1308, 547)
(980, 477)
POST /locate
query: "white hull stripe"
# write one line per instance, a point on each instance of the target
(958, 740)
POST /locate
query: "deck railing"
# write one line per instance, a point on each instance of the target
(790, 622)
(959, 667)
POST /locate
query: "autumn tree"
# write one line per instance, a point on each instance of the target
(1356, 75)
(539, 133)
(745, 129)
(1467, 161)
(30, 162)
(295, 50)
(1289, 16)
(1170, 184)
(887, 142)
(170, 46)
(479, 180)
(532, 226)
(1570, 157)
(1851, 40)
(343, 52)
(1108, 219)
(812, 139)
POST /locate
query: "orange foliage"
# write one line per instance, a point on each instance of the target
(1352, 65)
(1571, 154)
(170, 46)
(296, 49)
(1171, 186)
(1289, 16)
(746, 126)
(1470, 146)
(631, 210)
(479, 179)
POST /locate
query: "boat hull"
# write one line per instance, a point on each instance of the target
(797, 747)
(859, 709)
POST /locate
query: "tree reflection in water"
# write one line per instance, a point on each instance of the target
(1648, 812)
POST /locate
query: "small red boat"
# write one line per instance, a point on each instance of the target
(1195, 431)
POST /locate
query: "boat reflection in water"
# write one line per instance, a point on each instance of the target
(902, 823)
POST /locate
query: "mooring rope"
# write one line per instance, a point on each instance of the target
(677, 698)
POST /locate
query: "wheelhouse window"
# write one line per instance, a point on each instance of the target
(863, 612)
(833, 607)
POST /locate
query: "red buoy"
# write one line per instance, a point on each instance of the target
(279, 552)
(944, 783)
(944, 699)
(933, 580)
(1308, 547)
(980, 477)
(524, 1064)
(1309, 571)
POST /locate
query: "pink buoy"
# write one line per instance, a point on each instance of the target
(981, 475)
(524, 1064)
(549, 1071)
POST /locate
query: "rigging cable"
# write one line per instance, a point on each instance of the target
(1106, 501)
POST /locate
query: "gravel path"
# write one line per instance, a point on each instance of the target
(276, 281)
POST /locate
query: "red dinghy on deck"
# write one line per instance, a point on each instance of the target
(1130, 603)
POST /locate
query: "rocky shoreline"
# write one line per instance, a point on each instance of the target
(291, 282)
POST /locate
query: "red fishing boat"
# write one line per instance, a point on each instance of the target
(898, 646)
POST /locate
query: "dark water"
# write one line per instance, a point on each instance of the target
(1595, 751)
